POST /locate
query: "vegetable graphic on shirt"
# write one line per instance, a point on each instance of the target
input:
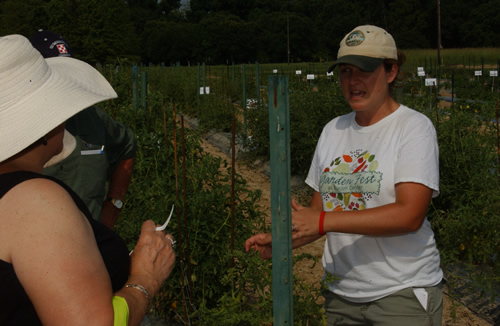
(358, 161)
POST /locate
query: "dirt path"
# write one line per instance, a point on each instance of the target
(256, 179)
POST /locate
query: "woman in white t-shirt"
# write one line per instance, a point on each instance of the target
(374, 173)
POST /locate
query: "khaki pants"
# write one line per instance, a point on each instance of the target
(402, 308)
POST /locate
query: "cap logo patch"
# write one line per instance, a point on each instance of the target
(355, 38)
(62, 48)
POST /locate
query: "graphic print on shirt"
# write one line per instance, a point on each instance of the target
(350, 181)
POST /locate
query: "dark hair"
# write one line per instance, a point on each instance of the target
(388, 63)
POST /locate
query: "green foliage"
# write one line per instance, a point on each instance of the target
(464, 216)
(97, 31)
(408, 22)
(176, 84)
(228, 287)
(21, 17)
(206, 208)
(222, 32)
(476, 87)
(235, 46)
(170, 42)
(91, 29)
(250, 301)
(479, 29)
(311, 107)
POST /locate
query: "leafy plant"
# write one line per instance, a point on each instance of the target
(311, 107)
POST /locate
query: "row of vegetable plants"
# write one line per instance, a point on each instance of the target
(214, 282)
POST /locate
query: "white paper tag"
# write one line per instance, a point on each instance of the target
(310, 76)
(205, 90)
(422, 296)
(430, 81)
(494, 73)
(478, 73)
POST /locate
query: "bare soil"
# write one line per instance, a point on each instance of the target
(454, 313)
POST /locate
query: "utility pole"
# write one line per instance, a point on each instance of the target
(288, 37)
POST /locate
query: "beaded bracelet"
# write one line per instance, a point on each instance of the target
(321, 223)
(143, 290)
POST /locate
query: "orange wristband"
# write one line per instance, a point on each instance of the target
(321, 223)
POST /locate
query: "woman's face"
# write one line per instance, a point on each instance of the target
(55, 140)
(366, 91)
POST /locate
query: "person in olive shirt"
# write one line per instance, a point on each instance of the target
(99, 152)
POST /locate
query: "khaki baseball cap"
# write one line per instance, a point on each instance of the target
(366, 47)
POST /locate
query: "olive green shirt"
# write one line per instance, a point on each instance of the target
(101, 143)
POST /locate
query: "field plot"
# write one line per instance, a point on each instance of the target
(218, 207)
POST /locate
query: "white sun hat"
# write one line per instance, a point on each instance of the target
(366, 47)
(37, 94)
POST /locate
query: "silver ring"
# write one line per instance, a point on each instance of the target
(294, 228)
(172, 241)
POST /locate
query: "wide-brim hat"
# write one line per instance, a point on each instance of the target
(366, 47)
(37, 94)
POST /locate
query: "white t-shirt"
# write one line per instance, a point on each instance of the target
(357, 168)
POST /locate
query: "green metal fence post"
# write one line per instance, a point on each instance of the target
(144, 90)
(279, 134)
(198, 82)
(257, 82)
(204, 79)
(244, 99)
(233, 76)
(135, 87)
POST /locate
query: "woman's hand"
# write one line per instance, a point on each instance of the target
(153, 258)
(262, 243)
(151, 263)
(305, 221)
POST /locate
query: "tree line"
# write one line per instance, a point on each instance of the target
(245, 31)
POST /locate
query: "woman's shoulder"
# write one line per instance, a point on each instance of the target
(38, 209)
(31, 184)
(37, 196)
(411, 113)
(417, 122)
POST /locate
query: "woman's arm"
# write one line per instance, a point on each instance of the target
(262, 242)
(55, 255)
(405, 215)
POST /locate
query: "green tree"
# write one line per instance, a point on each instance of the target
(168, 6)
(22, 17)
(226, 38)
(453, 14)
(408, 22)
(481, 29)
(335, 19)
(98, 30)
(170, 42)
(272, 40)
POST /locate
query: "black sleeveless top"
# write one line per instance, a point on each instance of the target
(15, 306)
